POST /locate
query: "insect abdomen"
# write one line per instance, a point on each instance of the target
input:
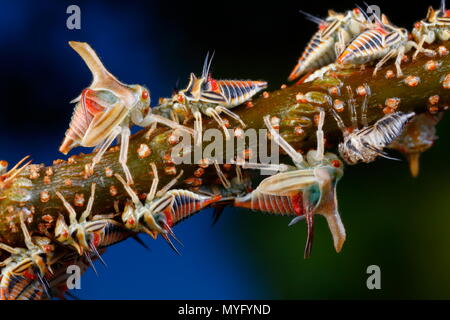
(278, 205)
(237, 92)
(366, 47)
(387, 129)
(187, 203)
(317, 53)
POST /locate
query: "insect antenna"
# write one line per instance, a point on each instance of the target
(207, 65)
(169, 229)
(88, 258)
(43, 281)
(170, 243)
(312, 18)
(94, 250)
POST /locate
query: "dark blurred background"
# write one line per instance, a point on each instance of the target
(394, 221)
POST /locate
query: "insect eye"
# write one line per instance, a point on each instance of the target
(336, 163)
(131, 221)
(417, 25)
(356, 11)
(180, 98)
(145, 94)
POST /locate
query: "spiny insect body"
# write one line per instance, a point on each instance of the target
(212, 97)
(304, 190)
(328, 42)
(366, 144)
(105, 110)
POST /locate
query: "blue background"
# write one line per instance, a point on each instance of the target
(392, 220)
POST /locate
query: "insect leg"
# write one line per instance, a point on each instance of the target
(130, 191)
(230, 114)
(150, 118)
(105, 145)
(225, 182)
(339, 46)
(198, 128)
(365, 105)
(419, 48)
(88, 210)
(398, 61)
(213, 113)
(150, 130)
(262, 166)
(296, 157)
(319, 135)
(380, 63)
(169, 185)
(352, 108)
(69, 208)
(123, 156)
(154, 186)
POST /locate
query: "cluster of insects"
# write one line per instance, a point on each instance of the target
(354, 38)
(306, 186)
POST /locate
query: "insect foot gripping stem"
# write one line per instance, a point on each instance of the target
(105, 110)
(30, 262)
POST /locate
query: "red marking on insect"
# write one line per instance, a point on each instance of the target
(169, 217)
(29, 275)
(214, 84)
(89, 103)
(145, 94)
(180, 98)
(297, 207)
(131, 221)
(336, 163)
(96, 240)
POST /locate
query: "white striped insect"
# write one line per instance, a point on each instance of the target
(382, 41)
(212, 97)
(436, 26)
(162, 209)
(105, 111)
(304, 190)
(367, 143)
(30, 262)
(334, 33)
